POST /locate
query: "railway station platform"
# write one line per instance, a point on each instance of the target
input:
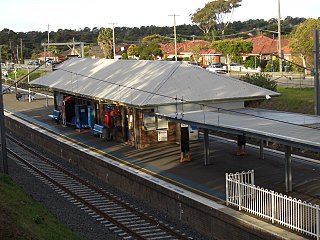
(164, 159)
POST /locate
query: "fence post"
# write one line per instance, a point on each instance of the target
(318, 222)
(252, 177)
(227, 190)
(272, 206)
(239, 191)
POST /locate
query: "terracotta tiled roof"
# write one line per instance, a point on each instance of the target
(264, 45)
(48, 54)
(186, 47)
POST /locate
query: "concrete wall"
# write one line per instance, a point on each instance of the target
(211, 219)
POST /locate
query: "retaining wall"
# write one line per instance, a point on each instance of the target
(211, 219)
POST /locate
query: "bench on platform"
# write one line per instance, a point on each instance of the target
(97, 130)
(22, 96)
(55, 115)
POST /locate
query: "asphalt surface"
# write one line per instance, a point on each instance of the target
(164, 159)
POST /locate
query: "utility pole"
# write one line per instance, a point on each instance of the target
(175, 35)
(114, 41)
(48, 35)
(17, 53)
(10, 46)
(44, 51)
(279, 38)
(2, 126)
(21, 58)
(316, 73)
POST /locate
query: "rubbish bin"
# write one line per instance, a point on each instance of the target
(286, 68)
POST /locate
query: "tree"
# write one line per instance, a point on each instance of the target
(86, 50)
(133, 51)
(216, 14)
(105, 41)
(232, 47)
(203, 19)
(301, 40)
(124, 56)
(196, 50)
(150, 51)
(155, 38)
(5, 52)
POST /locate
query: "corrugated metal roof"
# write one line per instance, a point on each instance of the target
(281, 127)
(144, 83)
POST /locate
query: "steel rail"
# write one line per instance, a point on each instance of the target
(86, 203)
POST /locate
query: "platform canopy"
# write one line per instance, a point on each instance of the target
(147, 83)
(289, 129)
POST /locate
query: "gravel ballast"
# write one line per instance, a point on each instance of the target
(71, 215)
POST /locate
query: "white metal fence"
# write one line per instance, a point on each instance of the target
(290, 212)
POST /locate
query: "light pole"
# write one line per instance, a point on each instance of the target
(114, 41)
(48, 35)
(279, 38)
(21, 54)
(175, 36)
(2, 125)
(316, 72)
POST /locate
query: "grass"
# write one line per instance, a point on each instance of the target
(299, 100)
(20, 73)
(22, 218)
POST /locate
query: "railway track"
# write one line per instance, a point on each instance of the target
(121, 217)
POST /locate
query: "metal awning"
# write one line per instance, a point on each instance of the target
(289, 129)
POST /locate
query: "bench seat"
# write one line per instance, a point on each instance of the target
(55, 115)
(97, 130)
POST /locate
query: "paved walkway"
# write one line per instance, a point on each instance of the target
(163, 159)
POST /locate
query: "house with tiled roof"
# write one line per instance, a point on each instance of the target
(264, 47)
(197, 50)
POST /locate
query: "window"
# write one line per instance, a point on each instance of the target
(149, 121)
(162, 123)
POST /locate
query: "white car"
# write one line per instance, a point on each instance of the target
(236, 67)
(217, 68)
(5, 90)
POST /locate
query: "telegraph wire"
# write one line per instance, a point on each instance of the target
(183, 99)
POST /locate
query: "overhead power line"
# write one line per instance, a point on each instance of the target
(181, 100)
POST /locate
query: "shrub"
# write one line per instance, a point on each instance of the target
(261, 80)
(272, 66)
(252, 62)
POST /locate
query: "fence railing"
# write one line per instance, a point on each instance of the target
(300, 216)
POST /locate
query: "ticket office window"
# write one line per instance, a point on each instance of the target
(152, 122)
(162, 123)
(149, 122)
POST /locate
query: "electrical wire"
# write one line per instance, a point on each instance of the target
(186, 101)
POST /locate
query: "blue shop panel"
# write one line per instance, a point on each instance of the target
(84, 116)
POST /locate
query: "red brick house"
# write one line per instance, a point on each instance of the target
(199, 50)
(264, 46)
(196, 50)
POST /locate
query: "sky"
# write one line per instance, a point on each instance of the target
(36, 15)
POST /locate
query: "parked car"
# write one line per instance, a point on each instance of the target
(35, 63)
(236, 67)
(217, 67)
(6, 90)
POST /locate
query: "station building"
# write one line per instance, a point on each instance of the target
(125, 96)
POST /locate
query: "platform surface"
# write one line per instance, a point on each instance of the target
(164, 159)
